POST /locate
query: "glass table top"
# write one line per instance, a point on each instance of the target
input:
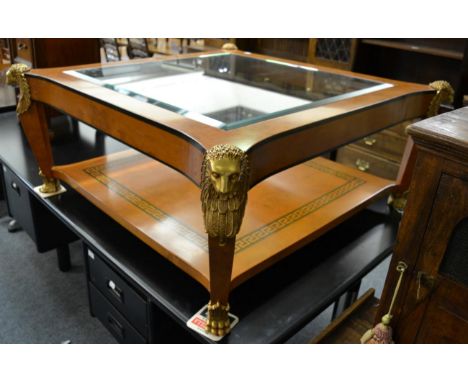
(227, 90)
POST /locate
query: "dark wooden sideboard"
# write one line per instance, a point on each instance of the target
(432, 306)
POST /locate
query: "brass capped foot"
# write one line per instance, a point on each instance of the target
(50, 185)
(218, 319)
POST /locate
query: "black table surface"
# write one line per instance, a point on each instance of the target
(272, 306)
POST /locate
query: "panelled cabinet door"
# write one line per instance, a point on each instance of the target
(440, 282)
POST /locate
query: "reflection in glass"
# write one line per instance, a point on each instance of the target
(226, 90)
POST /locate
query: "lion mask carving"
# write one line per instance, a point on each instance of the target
(225, 181)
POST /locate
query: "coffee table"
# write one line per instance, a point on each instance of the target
(210, 130)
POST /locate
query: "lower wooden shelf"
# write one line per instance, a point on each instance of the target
(163, 208)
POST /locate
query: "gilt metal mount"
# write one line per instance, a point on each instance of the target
(15, 77)
(225, 182)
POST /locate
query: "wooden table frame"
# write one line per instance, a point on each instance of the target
(298, 136)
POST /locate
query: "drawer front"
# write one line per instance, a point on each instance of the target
(120, 328)
(24, 49)
(364, 160)
(18, 202)
(118, 292)
(386, 143)
(400, 128)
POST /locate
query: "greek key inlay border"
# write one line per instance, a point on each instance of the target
(243, 242)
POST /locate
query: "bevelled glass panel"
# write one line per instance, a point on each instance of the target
(226, 90)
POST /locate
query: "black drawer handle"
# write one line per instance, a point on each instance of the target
(116, 291)
(116, 326)
(15, 187)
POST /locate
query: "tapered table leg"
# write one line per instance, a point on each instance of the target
(225, 179)
(34, 122)
(35, 126)
(221, 259)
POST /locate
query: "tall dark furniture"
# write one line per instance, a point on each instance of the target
(416, 59)
(54, 52)
(43, 228)
(332, 52)
(432, 306)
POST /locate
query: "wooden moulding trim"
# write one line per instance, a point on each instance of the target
(179, 151)
(207, 134)
(446, 133)
(308, 141)
(61, 173)
(185, 141)
(199, 134)
(447, 149)
(52, 82)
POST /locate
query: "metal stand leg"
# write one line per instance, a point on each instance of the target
(13, 226)
(63, 258)
(345, 300)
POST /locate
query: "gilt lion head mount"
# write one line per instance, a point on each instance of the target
(225, 182)
(15, 77)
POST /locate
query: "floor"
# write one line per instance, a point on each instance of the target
(40, 304)
(374, 279)
(7, 95)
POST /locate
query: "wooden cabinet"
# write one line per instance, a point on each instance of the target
(378, 154)
(23, 50)
(420, 60)
(332, 52)
(415, 60)
(291, 48)
(432, 305)
(5, 57)
(55, 52)
(381, 153)
(444, 257)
